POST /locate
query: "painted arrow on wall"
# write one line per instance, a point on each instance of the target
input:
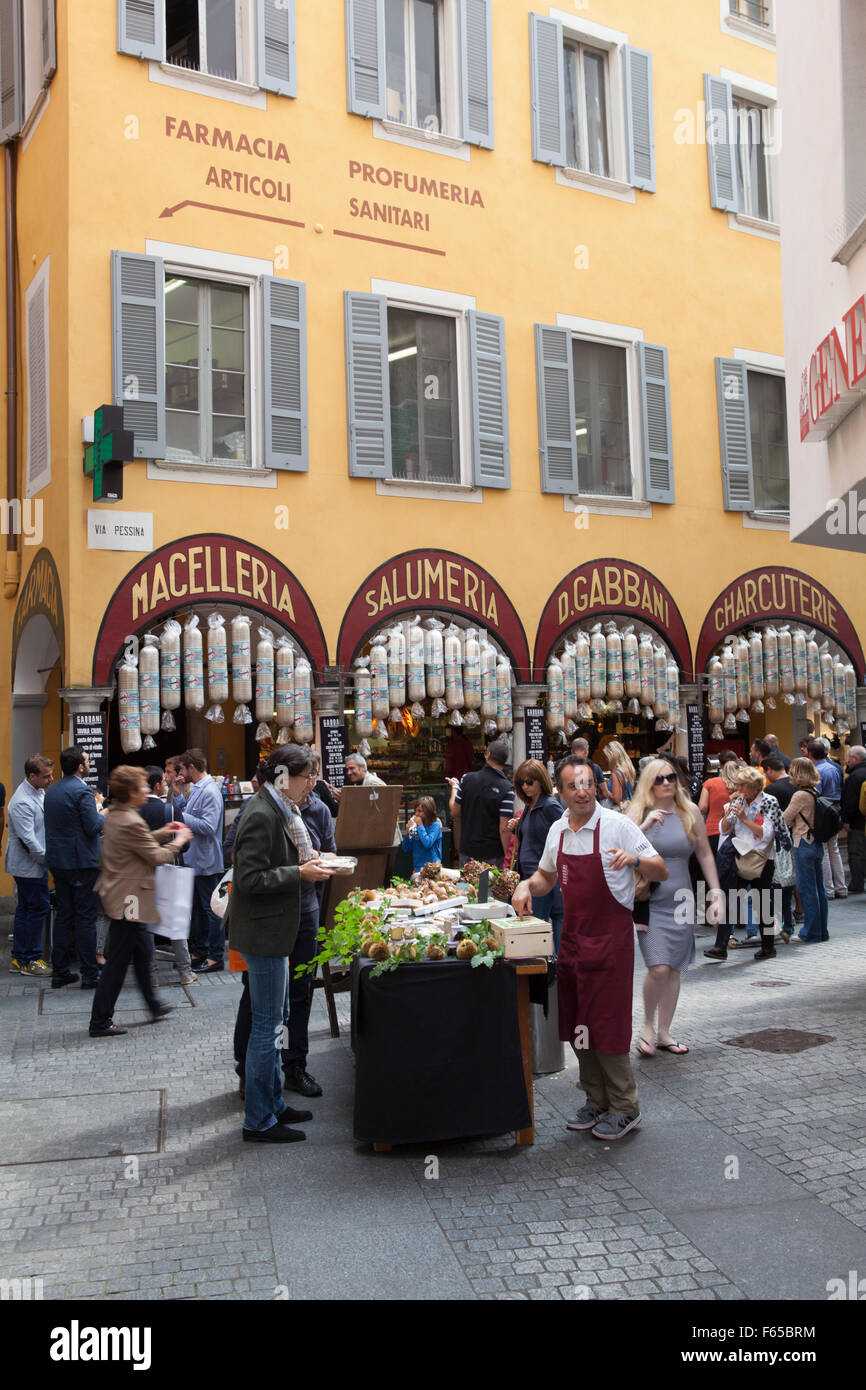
(235, 212)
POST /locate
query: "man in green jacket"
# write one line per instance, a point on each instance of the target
(272, 853)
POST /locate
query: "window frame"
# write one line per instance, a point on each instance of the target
(205, 368)
(765, 96)
(455, 318)
(245, 89)
(618, 336)
(614, 43)
(449, 139)
(742, 27)
(743, 107)
(767, 364)
(461, 377)
(582, 48)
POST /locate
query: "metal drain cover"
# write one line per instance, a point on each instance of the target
(771, 984)
(780, 1040)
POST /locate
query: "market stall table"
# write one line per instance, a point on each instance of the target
(443, 1051)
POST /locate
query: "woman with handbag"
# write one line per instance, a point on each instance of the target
(799, 815)
(666, 932)
(745, 861)
(130, 855)
(541, 810)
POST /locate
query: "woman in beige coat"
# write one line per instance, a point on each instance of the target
(130, 853)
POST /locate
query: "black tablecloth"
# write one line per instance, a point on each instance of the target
(437, 1052)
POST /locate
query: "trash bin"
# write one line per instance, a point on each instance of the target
(548, 1053)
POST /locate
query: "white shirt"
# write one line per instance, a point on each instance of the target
(617, 832)
(745, 839)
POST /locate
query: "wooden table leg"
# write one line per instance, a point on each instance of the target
(526, 1136)
(381, 1148)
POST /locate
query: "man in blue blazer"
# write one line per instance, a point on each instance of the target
(73, 841)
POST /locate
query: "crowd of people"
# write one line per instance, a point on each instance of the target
(604, 851)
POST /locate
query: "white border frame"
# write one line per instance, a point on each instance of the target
(238, 270)
(763, 94)
(739, 27)
(612, 41)
(244, 90)
(616, 335)
(448, 141)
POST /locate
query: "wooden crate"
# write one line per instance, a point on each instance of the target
(526, 936)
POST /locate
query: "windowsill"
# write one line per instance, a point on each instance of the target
(415, 137)
(225, 474)
(754, 226)
(431, 492)
(742, 28)
(596, 183)
(849, 248)
(766, 521)
(203, 84)
(609, 506)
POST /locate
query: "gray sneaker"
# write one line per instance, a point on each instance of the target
(586, 1117)
(615, 1126)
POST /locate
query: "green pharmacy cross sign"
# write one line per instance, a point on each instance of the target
(104, 459)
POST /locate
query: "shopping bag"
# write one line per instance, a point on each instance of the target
(174, 889)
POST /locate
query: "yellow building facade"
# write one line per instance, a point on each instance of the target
(452, 308)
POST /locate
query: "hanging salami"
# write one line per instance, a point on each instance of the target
(217, 667)
(242, 672)
(472, 672)
(127, 702)
(193, 665)
(265, 690)
(148, 689)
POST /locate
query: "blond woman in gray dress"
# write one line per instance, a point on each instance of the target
(675, 828)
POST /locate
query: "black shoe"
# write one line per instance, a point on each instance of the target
(90, 984)
(60, 980)
(294, 1117)
(714, 954)
(765, 955)
(205, 969)
(277, 1134)
(111, 1032)
(161, 1012)
(197, 961)
(299, 1080)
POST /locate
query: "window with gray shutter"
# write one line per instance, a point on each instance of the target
(735, 441)
(38, 466)
(639, 124)
(138, 348)
(555, 383)
(721, 138)
(276, 46)
(476, 64)
(365, 57)
(548, 90)
(491, 459)
(49, 41)
(11, 71)
(658, 454)
(141, 28)
(367, 392)
(285, 374)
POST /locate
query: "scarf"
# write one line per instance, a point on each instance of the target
(298, 833)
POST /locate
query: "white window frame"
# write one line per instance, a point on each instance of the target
(446, 141)
(197, 263)
(423, 299)
(621, 336)
(741, 27)
(770, 364)
(760, 94)
(243, 89)
(35, 483)
(612, 42)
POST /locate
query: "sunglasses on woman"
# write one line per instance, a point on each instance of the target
(665, 777)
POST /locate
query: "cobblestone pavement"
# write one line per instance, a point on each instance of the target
(124, 1175)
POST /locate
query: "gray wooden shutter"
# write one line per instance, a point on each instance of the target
(735, 435)
(11, 75)
(556, 438)
(285, 374)
(547, 65)
(138, 348)
(276, 46)
(639, 122)
(49, 41)
(721, 154)
(38, 466)
(476, 72)
(655, 394)
(365, 57)
(367, 385)
(491, 454)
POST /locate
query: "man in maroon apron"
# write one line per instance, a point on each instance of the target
(594, 852)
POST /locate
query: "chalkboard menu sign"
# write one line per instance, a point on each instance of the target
(536, 733)
(335, 748)
(89, 731)
(697, 739)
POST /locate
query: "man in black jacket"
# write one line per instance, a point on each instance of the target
(852, 817)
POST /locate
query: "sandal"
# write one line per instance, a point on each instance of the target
(678, 1049)
(644, 1048)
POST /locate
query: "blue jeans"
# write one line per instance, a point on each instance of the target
(301, 991)
(207, 936)
(550, 909)
(268, 978)
(809, 868)
(30, 914)
(75, 909)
